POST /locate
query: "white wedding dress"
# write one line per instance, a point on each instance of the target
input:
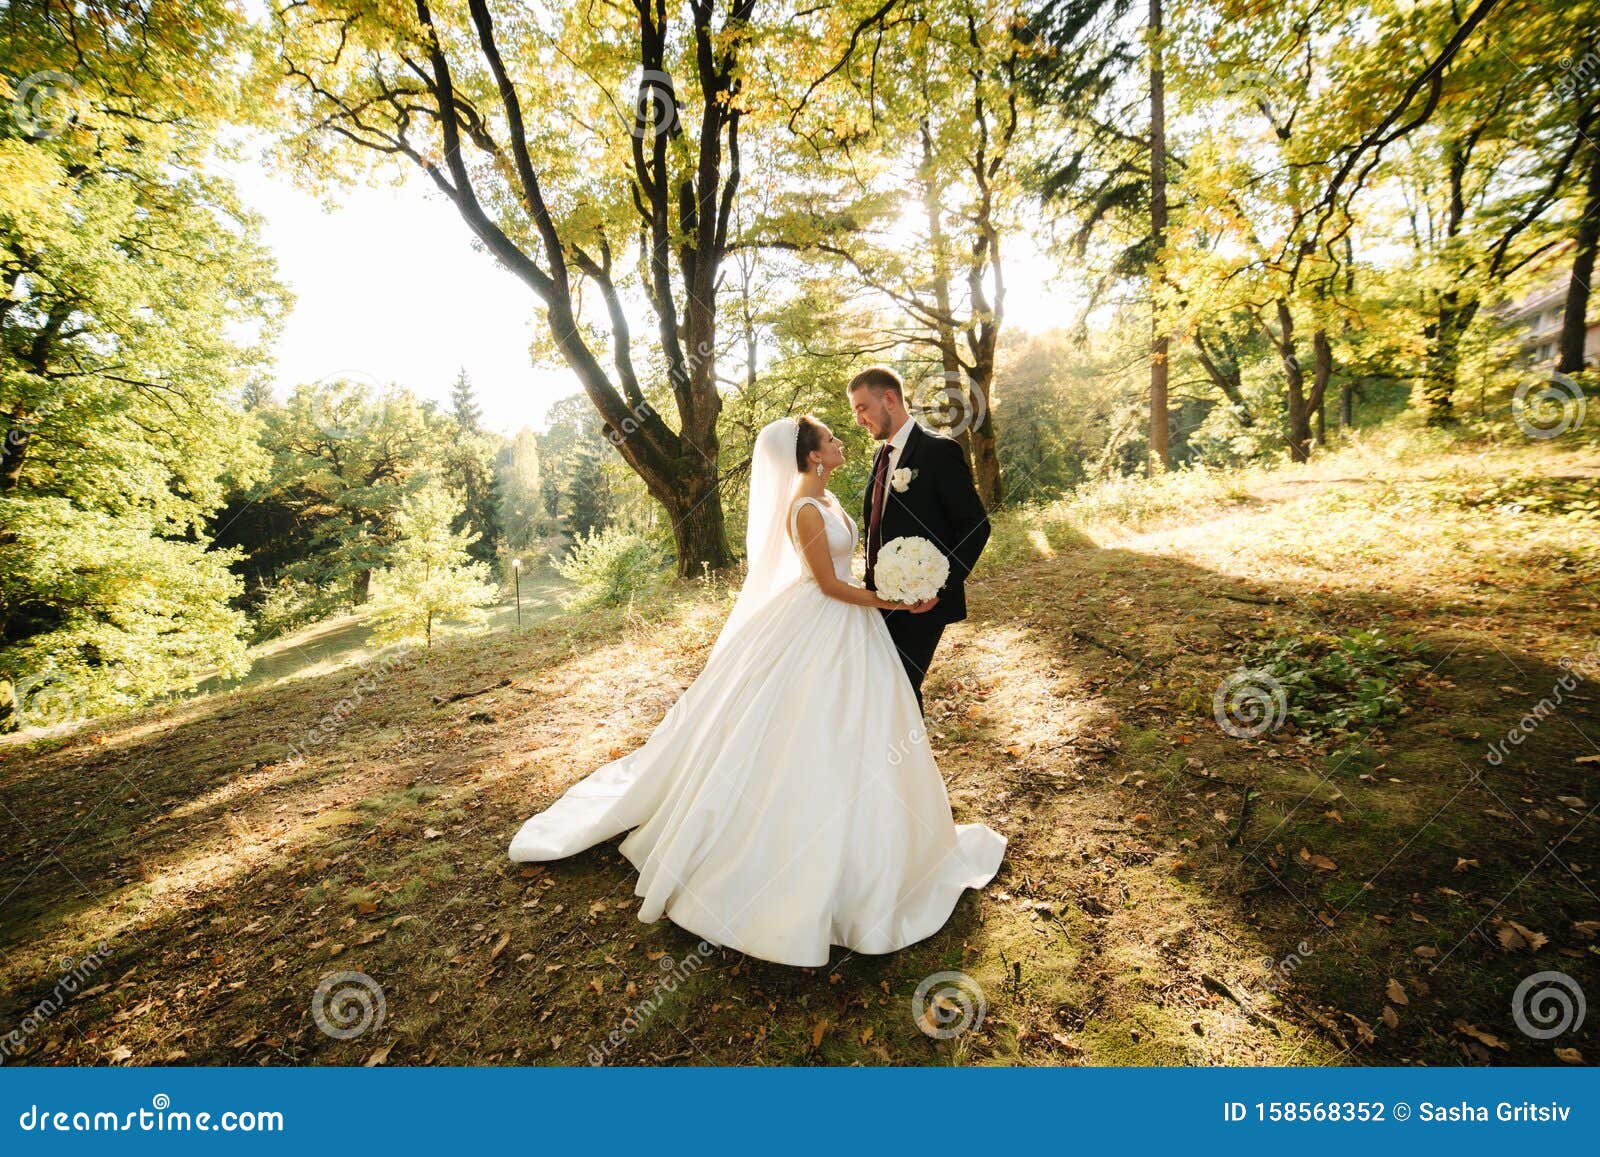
(789, 800)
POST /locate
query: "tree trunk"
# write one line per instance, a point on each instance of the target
(1575, 319)
(13, 454)
(1444, 356)
(1160, 459)
(697, 526)
(1225, 376)
(1296, 406)
(1323, 372)
(985, 448)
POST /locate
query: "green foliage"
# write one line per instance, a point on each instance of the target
(470, 466)
(345, 455)
(105, 611)
(1575, 499)
(610, 567)
(1339, 685)
(431, 578)
(575, 483)
(519, 488)
(136, 302)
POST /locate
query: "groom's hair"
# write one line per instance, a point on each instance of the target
(879, 379)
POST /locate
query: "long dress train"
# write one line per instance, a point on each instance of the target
(789, 800)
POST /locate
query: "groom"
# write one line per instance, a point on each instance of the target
(921, 486)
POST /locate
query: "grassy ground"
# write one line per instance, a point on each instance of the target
(1355, 885)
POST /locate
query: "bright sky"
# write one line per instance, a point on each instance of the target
(391, 286)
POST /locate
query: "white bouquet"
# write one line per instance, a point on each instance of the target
(910, 570)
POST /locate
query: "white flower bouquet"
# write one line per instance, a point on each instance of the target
(910, 570)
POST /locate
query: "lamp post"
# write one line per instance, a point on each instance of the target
(516, 570)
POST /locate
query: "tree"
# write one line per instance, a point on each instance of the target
(464, 404)
(136, 301)
(589, 502)
(519, 487)
(575, 195)
(431, 577)
(1109, 166)
(934, 142)
(344, 458)
(470, 458)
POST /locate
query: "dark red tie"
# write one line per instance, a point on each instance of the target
(880, 488)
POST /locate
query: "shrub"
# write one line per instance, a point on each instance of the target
(610, 567)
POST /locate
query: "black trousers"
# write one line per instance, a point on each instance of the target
(916, 637)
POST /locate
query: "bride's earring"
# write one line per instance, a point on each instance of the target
(819, 469)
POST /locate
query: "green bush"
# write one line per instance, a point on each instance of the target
(287, 607)
(610, 567)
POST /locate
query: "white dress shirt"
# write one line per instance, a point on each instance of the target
(898, 443)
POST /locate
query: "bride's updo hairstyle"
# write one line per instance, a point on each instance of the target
(808, 437)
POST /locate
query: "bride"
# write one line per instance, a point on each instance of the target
(789, 800)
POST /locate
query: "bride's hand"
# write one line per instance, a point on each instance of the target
(924, 605)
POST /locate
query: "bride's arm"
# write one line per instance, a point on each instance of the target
(813, 543)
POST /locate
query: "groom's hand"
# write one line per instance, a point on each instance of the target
(924, 605)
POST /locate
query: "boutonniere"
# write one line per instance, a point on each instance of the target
(902, 478)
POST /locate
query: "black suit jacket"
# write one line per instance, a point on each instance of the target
(941, 504)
